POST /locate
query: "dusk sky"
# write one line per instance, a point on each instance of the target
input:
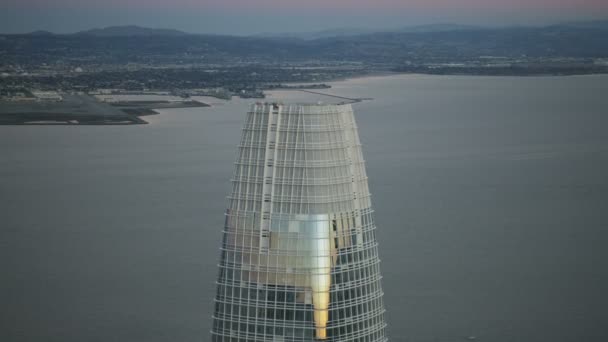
(255, 16)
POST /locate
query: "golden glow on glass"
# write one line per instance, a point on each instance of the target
(320, 279)
(301, 244)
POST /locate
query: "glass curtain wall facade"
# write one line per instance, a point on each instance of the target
(299, 258)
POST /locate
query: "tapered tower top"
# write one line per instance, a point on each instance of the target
(299, 258)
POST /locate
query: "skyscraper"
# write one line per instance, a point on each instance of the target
(299, 258)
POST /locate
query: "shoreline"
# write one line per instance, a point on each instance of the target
(74, 110)
(138, 112)
(389, 74)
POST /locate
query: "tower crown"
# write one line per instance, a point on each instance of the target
(299, 260)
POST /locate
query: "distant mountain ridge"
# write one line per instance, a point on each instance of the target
(41, 33)
(329, 33)
(355, 31)
(139, 31)
(422, 29)
(442, 27)
(594, 24)
(565, 48)
(131, 31)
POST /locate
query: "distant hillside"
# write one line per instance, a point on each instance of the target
(130, 31)
(417, 45)
(440, 28)
(354, 31)
(41, 33)
(428, 29)
(330, 33)
(595, 24)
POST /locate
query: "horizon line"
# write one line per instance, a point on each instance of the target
(363, 28)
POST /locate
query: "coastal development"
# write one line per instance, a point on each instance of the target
(52, 108)
(50, 78)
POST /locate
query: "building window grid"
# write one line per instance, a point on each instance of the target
(236, 316)
(372, 292)
(341, 317)
(373, 332)
(370, 266)
(255, 189)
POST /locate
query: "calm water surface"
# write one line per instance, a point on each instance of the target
(491, 199)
